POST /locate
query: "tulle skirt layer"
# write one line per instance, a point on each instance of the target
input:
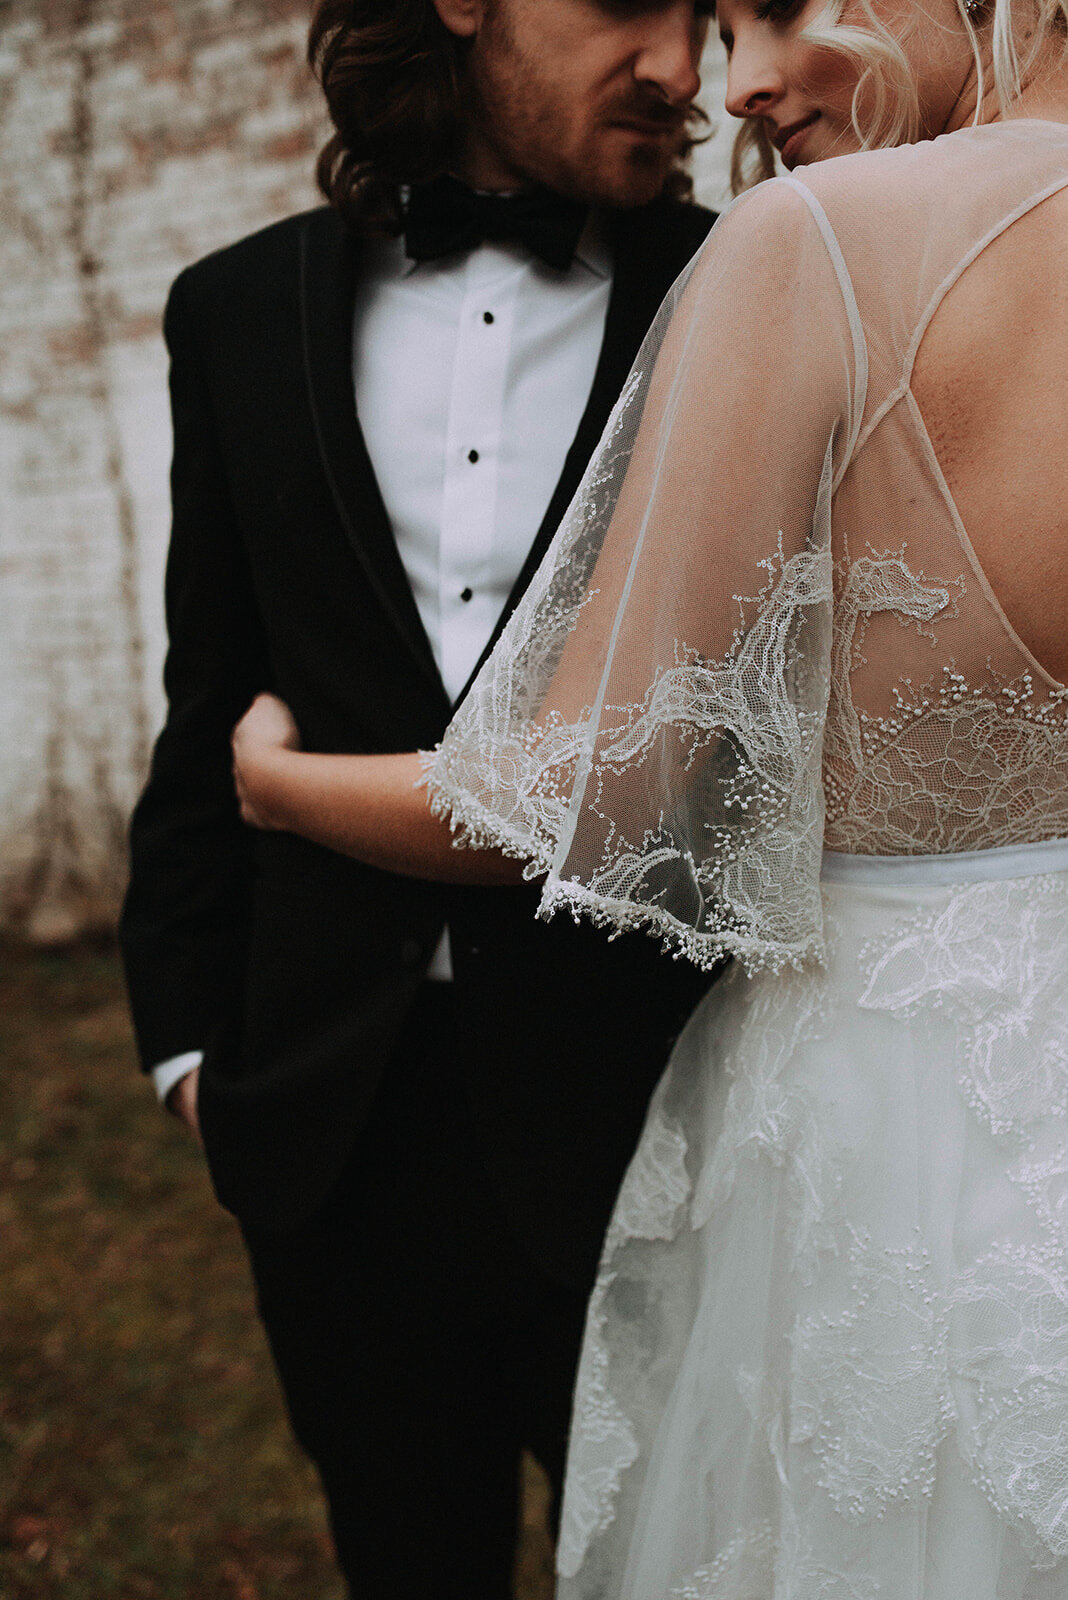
(827, 1354)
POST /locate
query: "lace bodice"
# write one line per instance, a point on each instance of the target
(762, 628)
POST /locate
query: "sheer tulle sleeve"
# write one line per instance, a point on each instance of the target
(647, 732)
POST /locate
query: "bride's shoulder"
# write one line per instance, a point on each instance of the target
(769, 244)
(858, 195)
(871, 187)
(901, 221)
(972, 171)
(890, 224)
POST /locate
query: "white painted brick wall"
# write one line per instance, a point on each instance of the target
(135, 136)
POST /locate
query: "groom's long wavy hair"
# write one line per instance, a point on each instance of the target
(394, 78)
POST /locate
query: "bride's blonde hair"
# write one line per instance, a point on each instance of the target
(886, 87)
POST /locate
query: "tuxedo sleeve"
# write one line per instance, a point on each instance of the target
(185, 920)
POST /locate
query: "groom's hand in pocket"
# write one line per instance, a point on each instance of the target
(182, 1100)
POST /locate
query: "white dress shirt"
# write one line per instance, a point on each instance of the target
(471, 375)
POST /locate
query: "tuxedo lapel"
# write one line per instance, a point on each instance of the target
(329, 263)
(650, 249)
(639, 282)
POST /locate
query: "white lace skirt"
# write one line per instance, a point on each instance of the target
(827, 1354)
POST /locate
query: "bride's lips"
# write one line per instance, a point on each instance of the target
(788, 140)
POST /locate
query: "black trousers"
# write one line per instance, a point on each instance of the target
(419, 1351)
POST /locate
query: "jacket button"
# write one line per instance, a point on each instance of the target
(411, 953)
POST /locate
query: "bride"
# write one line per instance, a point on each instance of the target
(790, 685)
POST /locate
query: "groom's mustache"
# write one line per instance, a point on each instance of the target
(650, 111)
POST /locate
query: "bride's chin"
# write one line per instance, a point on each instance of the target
(799, 149)
(827, 146)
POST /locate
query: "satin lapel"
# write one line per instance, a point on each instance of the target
(329, 262)
(647, 262)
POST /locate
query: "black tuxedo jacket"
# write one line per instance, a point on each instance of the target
(293, 968)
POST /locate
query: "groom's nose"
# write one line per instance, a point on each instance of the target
(670, 58)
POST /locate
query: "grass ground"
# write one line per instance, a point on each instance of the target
(143, 1449)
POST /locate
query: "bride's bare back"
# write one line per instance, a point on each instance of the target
(950, 524)
(991, 380)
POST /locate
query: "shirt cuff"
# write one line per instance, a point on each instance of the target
(168, 1073)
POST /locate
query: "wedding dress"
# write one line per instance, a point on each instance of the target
(762, 700)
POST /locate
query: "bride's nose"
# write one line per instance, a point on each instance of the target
(754, 80)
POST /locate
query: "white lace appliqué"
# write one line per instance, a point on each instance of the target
(651, 1205)
(957, 764)
(769, 1117)
(993, 958)
(1011, 1325)
(753, 720)
(869, 1386)
(746, 1566)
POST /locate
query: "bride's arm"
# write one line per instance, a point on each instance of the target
(372, 807)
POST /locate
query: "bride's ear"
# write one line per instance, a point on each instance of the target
(461, 17)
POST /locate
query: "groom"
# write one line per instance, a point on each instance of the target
(417, 1099)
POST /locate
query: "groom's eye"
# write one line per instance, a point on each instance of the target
(703, 9)
(777, 10)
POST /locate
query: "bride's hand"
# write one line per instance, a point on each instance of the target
(266, 729)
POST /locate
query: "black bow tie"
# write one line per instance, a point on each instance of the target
(445, 217)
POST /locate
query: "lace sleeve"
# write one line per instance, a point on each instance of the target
(647, 732)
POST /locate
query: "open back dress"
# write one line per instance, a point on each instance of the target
(762, 700)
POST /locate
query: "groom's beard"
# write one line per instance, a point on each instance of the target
(616, 148)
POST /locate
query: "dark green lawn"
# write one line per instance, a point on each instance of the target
(143, 1450)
